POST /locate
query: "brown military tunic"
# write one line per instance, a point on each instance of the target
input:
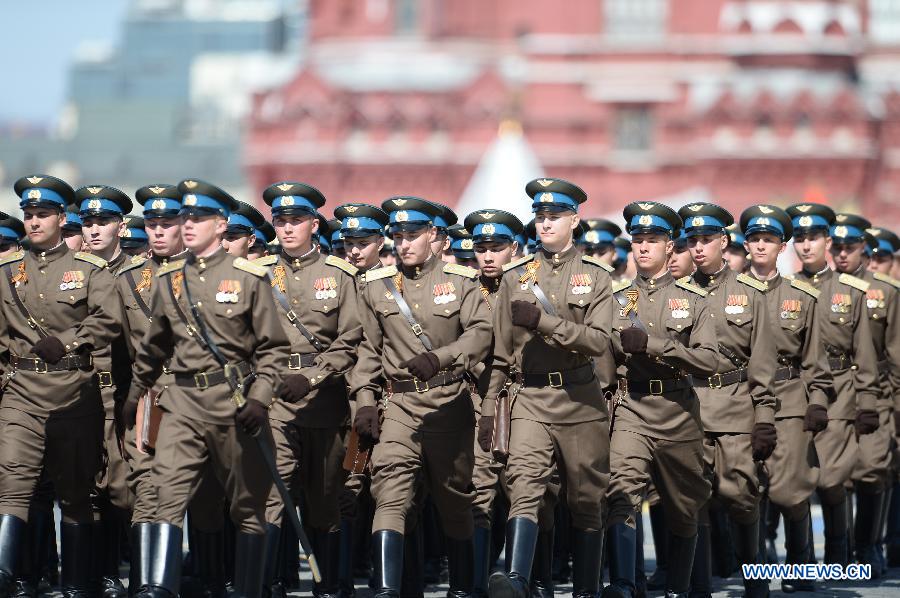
(53, 420)
(427, 436)
(198, 427)
(802, 378)
(847, 338)
(657, 431)
(309, 434)
(559, 415)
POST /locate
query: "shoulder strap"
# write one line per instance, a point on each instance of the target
(407, 313)
(192, 332)
(203, 333)
(292, 316)
(18, 301)
(132, 286)
(538, 293)
(631, 313)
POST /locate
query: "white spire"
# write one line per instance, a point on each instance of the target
(499, 180)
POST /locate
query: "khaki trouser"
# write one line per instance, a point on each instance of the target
(838, 449)
(112, 483)
(794, 465)
(578, 453)
(186, 446)
(676, 469)
(729, 466)
(140, 480)
(873, 465)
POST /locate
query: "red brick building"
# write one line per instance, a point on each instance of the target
(734, 101)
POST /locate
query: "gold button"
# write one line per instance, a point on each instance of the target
(651, 299)
(553, 296)
(42, 319)
(71, 297)
(202, 279)
(651, 324)
(199, 304)
(874, 316)
(295, 301)
(841, 320)
(418, 285)
(581, 302)
(42, 272)
(228, 311)
(620, 328)
(678, 326)
(385, 312)
(446, 311)
(416, 305)
(738, 320)
(41, 295)
(793, 326)
(713, 293)
(296, 278)
(325, 307)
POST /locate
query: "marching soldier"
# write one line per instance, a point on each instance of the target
(681, 263)
(847, 339)
(735, 253)
(443, 220)
(71, 230)
(737, 405)
(599, 240)
(802, 380)
(552, 317)
(240, 236)
(462, 247)
(429, 324)
(12, 232)
(56, 310)
(262, 236)
(134, 240)
(231, 332)
(102, 210)
(624, 268)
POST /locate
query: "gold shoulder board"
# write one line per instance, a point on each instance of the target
(90, 258)
(519, 262)
(333, 260)
(170, 267)
(379, 273)
(266, 260)
(621, 285)
(12, 257)
(248, 266)
(806, 288)
(135, 262)
(461, 270)
(686, 284)
(759, 285)
(885, 278)
(852, 281)
(589, 259)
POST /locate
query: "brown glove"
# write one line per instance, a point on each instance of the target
(634, 340)
(423, 366)
(866, 422)
(763, 439)
(252, 417)
(50, 349)
(485, 432)
(367, 425)
(296, 387)
(526, 315)
(816, 419)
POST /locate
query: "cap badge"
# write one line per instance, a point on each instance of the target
(467, 244)
(695, 208)
(94, 204)
(840, 218)
(190, 200)
(352, 223)
(645, 220)
(158, 204)
(805, 221)
(645, 206)
(804, 208)
(402, 216)
(545, 182)
(34, 194)
(840, 231)
(488, 229)
(592, 236)
(287, 200)
(190, 184)
(34, 180)
(351, 209)
(873, 231)
(698, 221)
(399, 202)
(766, 209)
(157, 190)
(546, 198)
(763, 222)
(487, 215)
(284, 187)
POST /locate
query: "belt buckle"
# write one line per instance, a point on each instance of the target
(418, 388)
(294, 361)
(105, 379)
(659, 384)
(558, 377)
(37, 366)
(717, 384)
(201, 381)
(417, 329)
(291, 315)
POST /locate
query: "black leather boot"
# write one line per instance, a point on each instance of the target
(542, 567)
(746, 548)
(328, 548)
(797, 540)
(882, 524)
(34, 553)
(724, 563)
(835, 519)
(481, 547)
(521, 539)
(681, 560)
(621, 542)
(461, 566)
(892, 531)
(640, 572)
(249, 565)
(12, 541)
(587, 548)
(165, 559)
(77, 560)
(139, 576)
(387, 563)
(273, 586)
(657, 581)
(412, 581)
(209, 562)
(110, 531)
(701, 571)
(346, 588)
(868, 517)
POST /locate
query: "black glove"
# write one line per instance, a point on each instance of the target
(634, 340)
(50, 349)
(252, 416)
(763, 439)
(866, 422)
(367, 425)
(897, 424)
(485, 432)
(816, 419)
(129, 412)
(295, 387)
(423, 366)
(525, 314)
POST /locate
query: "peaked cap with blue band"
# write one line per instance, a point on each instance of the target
(361, 220)
(623, 248)
(767, 219)
(134, 235)
(245, 219)
(102, 200)
(159, 200)
(493, 225)
(886, 242)
(735, 237)
(410, 213)
(650, 217)
(334, 233)
(73, 220)
(555, 194)
(43, 191)
(810, 216)
(445, 218)
(265, 234)
(680, 239)
(11, 229)
(462, 245)
(600, 232)
(849, 228)
(292, 198)
(202, 198)
(705, 219)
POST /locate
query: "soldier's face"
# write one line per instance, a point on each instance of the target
(295, 231)
(708, 251)
(651, 252)
(388, 258)
(363, 252)
(44, 225)
(493, 255)
(764, 249)
(811, 248)
(555, 229)
(441, 246)
(681, 263)
(848, 256)
(165, 235)
(74, 241)
(881, 263)
(895, 270)
(201, 233)
(604, 253)
(101, 232)
(736, 259)
(237, 244)
(414, 247)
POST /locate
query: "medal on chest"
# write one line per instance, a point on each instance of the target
(530, 275)
(680, 307)
(840, 303)
(790, 309)
(229, 291)
(736, 304)
(146, 280)
(444, 292)
(581, 284)
(875, 299)
(73, 279)
(20, 277)
(326, 288)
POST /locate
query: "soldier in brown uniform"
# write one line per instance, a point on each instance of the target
(665, 334)
(200, 428)
(71, 230)
(847, 339)
(429, 324)
(552, 317)
(802, 380)
(737, 405)
(102, 210)
(56, 310)
(12, 231)
(872, 470)
(240, 236)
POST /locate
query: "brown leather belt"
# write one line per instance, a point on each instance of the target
(416, 385)
(838, 363)
(301, 360)
(67, 363)
(657, 387)
(788, 372)
(575, 377)
(722, 380)
(105, 379)
(203, 380)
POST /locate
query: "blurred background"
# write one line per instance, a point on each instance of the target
(463, 101)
